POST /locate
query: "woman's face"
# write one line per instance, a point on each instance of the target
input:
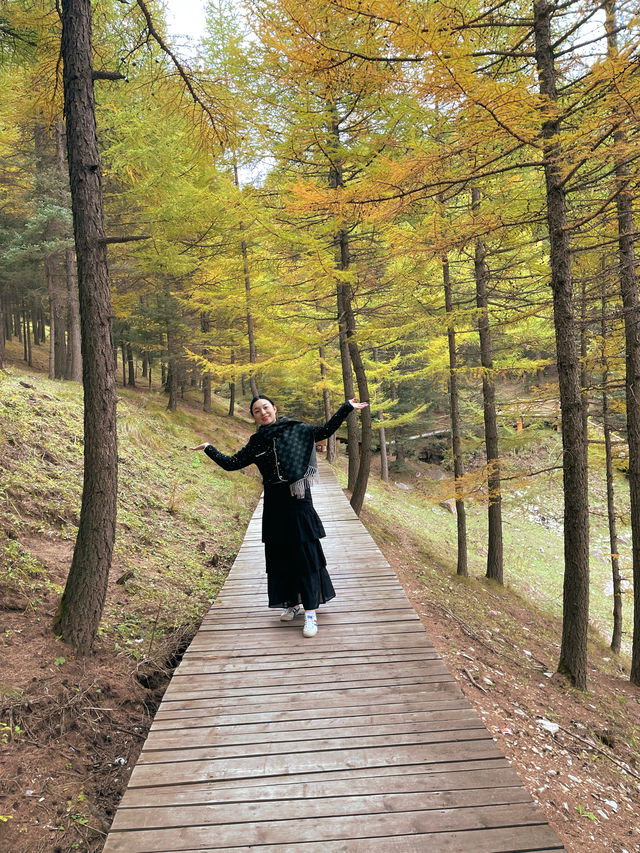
(264, 412)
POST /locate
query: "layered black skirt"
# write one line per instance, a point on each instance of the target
(295, 562)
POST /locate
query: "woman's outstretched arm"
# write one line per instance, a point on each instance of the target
(333, 423)
(245, 456)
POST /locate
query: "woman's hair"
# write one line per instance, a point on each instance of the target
(260, 397)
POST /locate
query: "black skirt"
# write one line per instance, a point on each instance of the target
(295, 561)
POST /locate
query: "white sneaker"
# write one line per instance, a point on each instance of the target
(310, 627)
(291, 613)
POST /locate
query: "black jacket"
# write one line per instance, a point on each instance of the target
(254, 452)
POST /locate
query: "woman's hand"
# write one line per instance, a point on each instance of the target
(357, 405)
(200, 446)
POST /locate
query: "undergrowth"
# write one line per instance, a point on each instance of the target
(180, 518)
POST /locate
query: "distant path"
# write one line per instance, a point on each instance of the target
(356, 740)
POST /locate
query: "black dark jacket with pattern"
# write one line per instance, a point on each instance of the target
(285, 518)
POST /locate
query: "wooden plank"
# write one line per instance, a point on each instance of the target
(493, 773)
(294, 831)
(488, 840)
(313, 729)
(319, 807)
(357, 739)
(325, 697)
(239, 767)
(310, 719)
(167, 717)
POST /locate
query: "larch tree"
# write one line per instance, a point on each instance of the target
(80, 608)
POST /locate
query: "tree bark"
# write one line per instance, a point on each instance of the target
(73, 356)
(384, 459)
(232, 389)
(205, 325)
(458, 463)
(343, 261)
(353, 450)
(131, 367)
(616, 636)
(253, 356)
(2, 331)
(80, 609)
(49, 277)
(123, 351)
(360, 486)
(326, 402)
(172, 373)
(573, 651)
(495, 561)
(631, 307)
(75, 343)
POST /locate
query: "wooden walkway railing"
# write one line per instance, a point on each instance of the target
(357, 739)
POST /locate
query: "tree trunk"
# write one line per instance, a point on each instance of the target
(343, 261)
(123, 350)
(73, 356)
(584, 373)
(232, 389)
(53, 332)
(131, 366)
(384, 459)
(80, 609)
(631, 307)
(253, 357)
(458, 464)
(59, 307)
(495, 550)
(616, 636)
(205, 326)
(360, 486)
(75, 349)
(326, 401)
(23, 319)
(353, 449)
(2, 332)
(172, 374)
(27, 334)
(573, 651)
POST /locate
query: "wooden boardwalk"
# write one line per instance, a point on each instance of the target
(357, 739)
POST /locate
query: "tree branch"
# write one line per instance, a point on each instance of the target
(179, 68)
(125, 239)
(107, 75)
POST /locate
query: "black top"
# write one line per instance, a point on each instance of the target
(254, 453)
(285, 518)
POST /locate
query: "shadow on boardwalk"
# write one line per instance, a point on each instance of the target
(358, 739)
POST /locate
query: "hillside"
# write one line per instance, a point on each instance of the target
(72, 729)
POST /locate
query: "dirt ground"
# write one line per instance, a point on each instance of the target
(82, 724)
(577, 754)
(71, 730)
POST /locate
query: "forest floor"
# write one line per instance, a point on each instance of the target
(71, 729)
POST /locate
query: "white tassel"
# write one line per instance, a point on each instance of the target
(311, 478)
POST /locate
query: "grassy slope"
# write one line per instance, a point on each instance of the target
(181, 520)
(532, 528)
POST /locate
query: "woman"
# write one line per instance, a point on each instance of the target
(284, 451)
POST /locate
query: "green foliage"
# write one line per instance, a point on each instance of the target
(9, 731)
(586, 813)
